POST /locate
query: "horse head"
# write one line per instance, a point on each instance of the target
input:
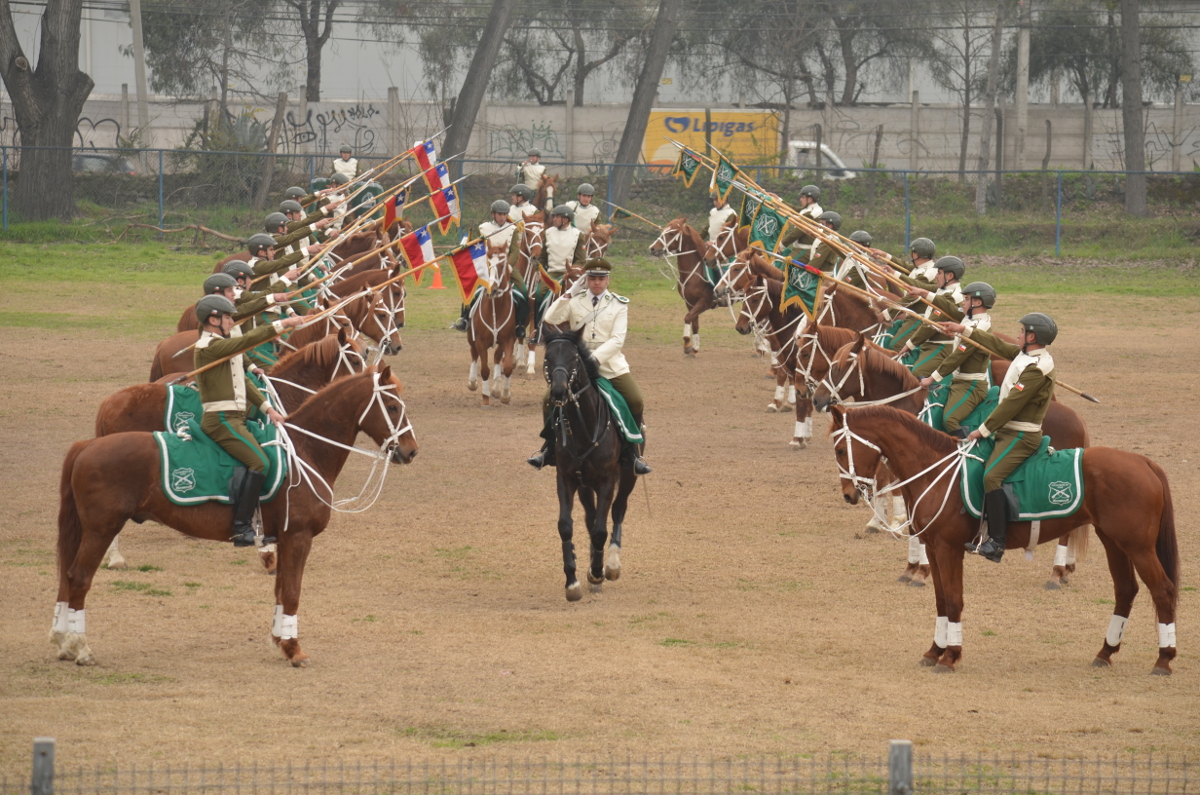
(568, 366)
(388, 426)
(573, 274)
(855, 456)
(669, 240)
(599, 239)
(545, 191)
(839, 385)
(379, 324)
(351, 354)
(498, 268)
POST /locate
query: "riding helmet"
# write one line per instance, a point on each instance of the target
(535, 153)
(345, 148)
(339, 178)
(294, 192)
(236, 268)
(211, 305)
(501, 206)
(1042, 325)
(260, 241)
(586, 189)
(564, 211)
(812, 191)
(274, 221)
(218, 282)
(923, 247)
(951, 265)
(983, 291)
(522, 190)
(861, 237)
(834, 219)
(290, 206)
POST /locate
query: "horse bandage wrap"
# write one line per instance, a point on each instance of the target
(939, 632)
(1116, 630)
(954, 633)
(289, 627)
(61, 624)
(1166, 634)
(77, 622)
(1060, 559)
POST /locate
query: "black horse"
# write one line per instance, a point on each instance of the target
(587, 453)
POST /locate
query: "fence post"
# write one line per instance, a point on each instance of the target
(6, 189)
(900, 770)
(1058, 219)
(311, 166)
(608, 190)
(907, 214)
(160, 191)
(41, 781)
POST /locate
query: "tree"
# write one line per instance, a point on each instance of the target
(470, 97)
(643, 98)
(315, 26)
(989, 108)
(1131, 111)
(47, 102)
(961, 63)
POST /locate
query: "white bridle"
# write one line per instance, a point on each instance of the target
(667, 244)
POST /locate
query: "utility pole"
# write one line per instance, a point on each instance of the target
(1022, 93)
(1131, 110)
(139, 71)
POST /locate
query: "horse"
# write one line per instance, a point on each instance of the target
(598, 240)
(107, 481)
(392, 298)
(682, 243)
(586, 453)
(1126, 497)
(731, 240)
(529, 253)
(544, 196)
(493, 326)
(864, 371)
(143, 407)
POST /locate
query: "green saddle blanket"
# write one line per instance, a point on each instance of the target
(712, 274)
(196, 469)
(620, 411)
(1047, 485)
(183, 404)
(934, 410)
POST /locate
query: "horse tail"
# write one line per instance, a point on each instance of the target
(156, 369)
(1167, 544)
(70, 528)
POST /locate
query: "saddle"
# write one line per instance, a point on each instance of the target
(1047, 485)
(195, 469)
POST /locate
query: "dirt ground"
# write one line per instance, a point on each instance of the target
(754, 615)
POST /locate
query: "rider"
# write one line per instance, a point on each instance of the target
(521, 210)
(345, 164)
(530, 172)
(225, 393)
(562, 248)
(501, 230)
(586, 213)
(823, 256)
(800, 241)
(968, 365)
(933, 345)
(604, 317)
(718, 219)
(921, 252)
(1016, 423)
(849, 270)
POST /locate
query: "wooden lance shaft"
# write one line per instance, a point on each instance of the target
(657, 227)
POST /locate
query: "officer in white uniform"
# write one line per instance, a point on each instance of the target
(346, 165)
(522, 210)
(718, 218)
(530, 172)
(586, 213)
(604, 317)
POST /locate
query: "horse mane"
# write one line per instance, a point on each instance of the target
(936, 440)
(589, 361)
(340, 383)
(840, 335)
(321, 353)
(876, 362)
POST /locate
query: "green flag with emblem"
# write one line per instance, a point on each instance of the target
(723, 177)
(750, 207)
(686, 166)
(803, 289)
(767, 228)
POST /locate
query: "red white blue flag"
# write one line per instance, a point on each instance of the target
(446, 207)
(470, 269)
(425, 153)
(417, 247)
(437, 178)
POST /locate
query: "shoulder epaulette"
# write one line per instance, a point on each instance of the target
(620, 298)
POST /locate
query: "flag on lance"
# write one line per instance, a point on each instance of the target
(425, 153)
(437, 178)
(417, 247)
(446, 207)
(393, 208)
(470, 269)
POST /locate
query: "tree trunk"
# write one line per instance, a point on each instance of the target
(643, 98)
(989, 110)
(312, 85)
(964, 142)
(786, 132)
(47, 103)
(1131, 110)
(470, 97)
(849, 66)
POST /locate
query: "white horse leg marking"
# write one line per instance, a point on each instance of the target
(531, 361)
(113, 558)
(791, 394)
(473, 376)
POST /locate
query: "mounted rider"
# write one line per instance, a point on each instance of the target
(821, 255)
(1016, 423)
(563, 246)
(500, 230)
(604, 317)
(291, 237)
(531, 171)
(346, 164)
(522, 210)
(966, 365)
(800, 240)
(921, 252)
(586, 213)
(226, 393)
(932, 344)
(850, 270)
(718, 219)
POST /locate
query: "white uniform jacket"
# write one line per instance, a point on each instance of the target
(604, 326)
(717, 218)
(531, 174)
(347, 167)
(521, 212)
(585, 217)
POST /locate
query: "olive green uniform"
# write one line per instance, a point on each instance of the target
(968, 366)
(226, 393)
(1025, 395)
(920, 276)
(932, 344)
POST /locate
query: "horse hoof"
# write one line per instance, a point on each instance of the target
(942, 669)
(905, 577)
(472, 385)
(1100, 662)
(506, 400)
(612, 565)
(798, 444)
(574, 592)
(1052, 585)
(595, 579)
(596, 587)
(915, 583)
(1159, 671)
(118, 564)
(87, 658)
(300, 662)
(928, 662)
(772, 408)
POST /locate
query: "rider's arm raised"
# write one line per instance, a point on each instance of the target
(1032, 388)
(993, 343)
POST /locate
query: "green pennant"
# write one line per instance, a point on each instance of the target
(803, 289)
(723, 176)
(767, 229)
(750, 207)
(686, 166)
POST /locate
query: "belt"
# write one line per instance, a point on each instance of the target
(223, 405)
(970, 376)
(1026, 427)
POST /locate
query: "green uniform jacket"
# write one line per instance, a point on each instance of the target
(825, 258)
(278, 265)
(965, 359)
(295, 236)
(307, 220)
(950, 310)
(1031, 386)
(218, 391)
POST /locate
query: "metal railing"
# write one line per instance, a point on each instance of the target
(901, 772)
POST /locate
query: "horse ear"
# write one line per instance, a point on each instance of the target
(386, 373)
(860, 342)
(342, 335)
(838, 413)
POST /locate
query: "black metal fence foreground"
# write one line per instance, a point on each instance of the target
(901, 773)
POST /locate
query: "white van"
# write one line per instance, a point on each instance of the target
(803, 154)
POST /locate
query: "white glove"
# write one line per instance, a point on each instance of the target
(578, 286)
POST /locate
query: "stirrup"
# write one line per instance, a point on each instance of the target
(244, 536)
(991, 550)
(459, 325)
(640, 467)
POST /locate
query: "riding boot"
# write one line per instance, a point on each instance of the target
(245, 504)
(543, 457)
(636, 462)
(996, 506)
(464, 318)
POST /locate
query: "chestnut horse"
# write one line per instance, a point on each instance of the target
(493, 325)
(862, 371)
(544, 197)
(598, 240)
(1126, 497)
(391, 298)
(529, 253)
(683, 244)
(108, 481)
(586, 453)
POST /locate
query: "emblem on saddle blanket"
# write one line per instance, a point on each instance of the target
(1061, 493)
(183, 479)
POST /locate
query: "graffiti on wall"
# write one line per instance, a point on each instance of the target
(512, 141)
(100, 133)
(325, 130)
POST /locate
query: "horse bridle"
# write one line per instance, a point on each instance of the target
(572, 397)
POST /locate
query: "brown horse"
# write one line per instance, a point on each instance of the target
(598, 240)
(862, 371)
(108, 481)
(683, 244)
(1126, 497)
(493, 326)
(244, 256)
(392, 296)
(529, 253)
(544, 196)
(729, 242)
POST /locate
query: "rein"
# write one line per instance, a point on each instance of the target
(603, 421)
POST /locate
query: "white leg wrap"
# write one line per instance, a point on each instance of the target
(696, 341)
(774, 359)
(530, 360)
(487, 388)
(939, 632)
(899, 512)
(954, 633)
(277, 621)
(792, 394)
(1060, 559)
(473, 375)
(77, 623)
(799, 433)
(60, 618)
(778, 394)
(1070, 557)
(687, 331)
(289, 627)
(924, 556)
(1166, 635)
(808, 428)
(1116, 630)
(914, 549)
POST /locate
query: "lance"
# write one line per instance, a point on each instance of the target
(387, 164)
(616, 208)
(465, 244)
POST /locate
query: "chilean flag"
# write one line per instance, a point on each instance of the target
(437, 178)
(425, 153)
(445, 205)
(417, 247)
(393, 208)
(471, 269)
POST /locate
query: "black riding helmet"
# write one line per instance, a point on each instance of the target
(213, 305)
(260, 241)
(218, 282)
(290, 206)
(923, 247)
(983, 291)
(274, 221)
(861, 237)
(832, 218)
(1042, 325)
